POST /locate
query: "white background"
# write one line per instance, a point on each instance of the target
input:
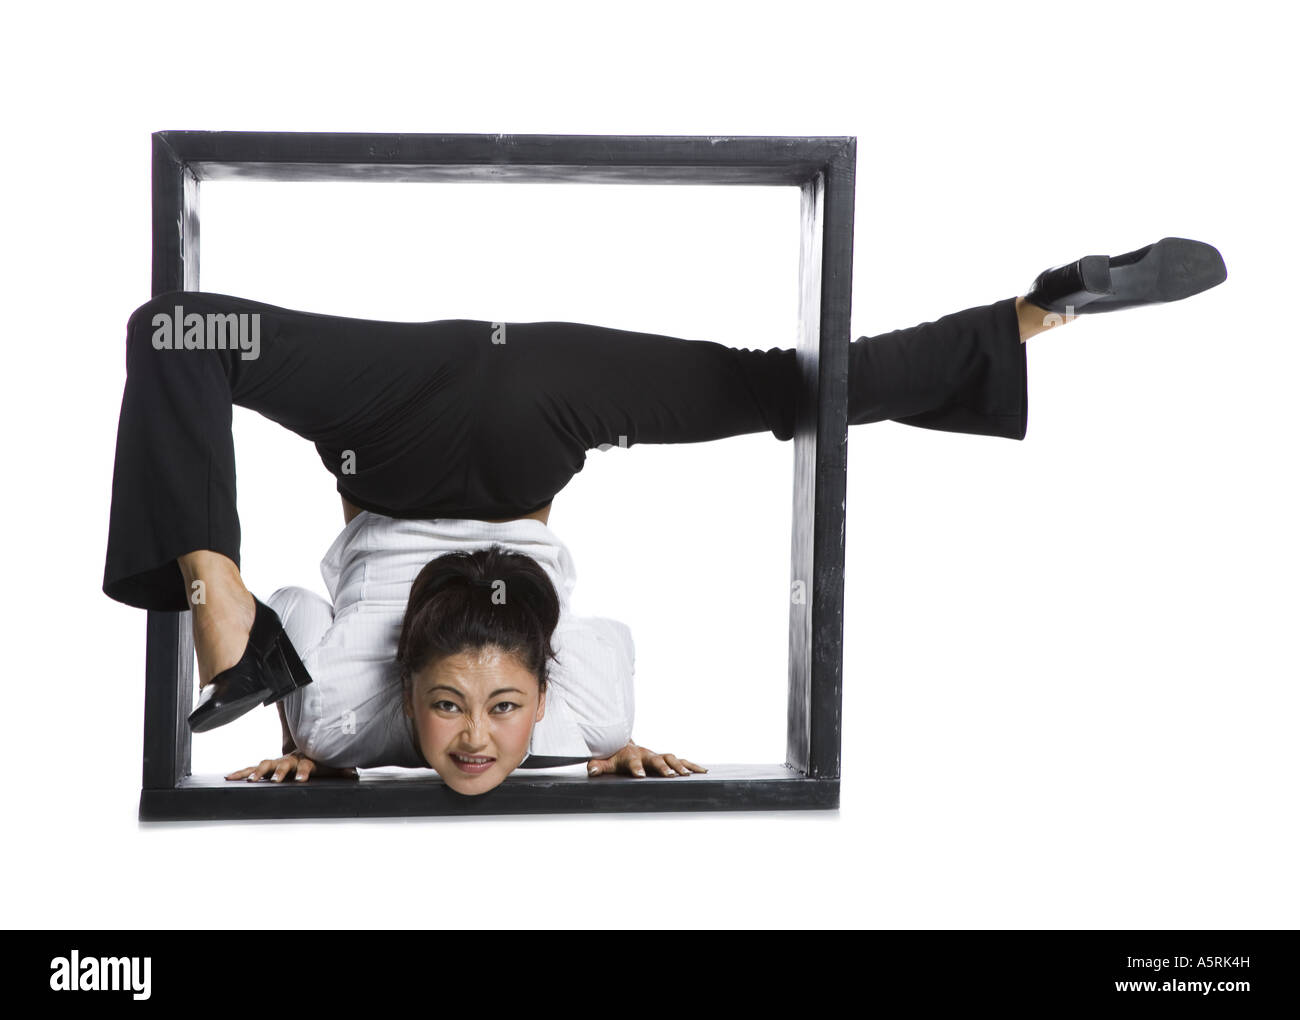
(1070, 675)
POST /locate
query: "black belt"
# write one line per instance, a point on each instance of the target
(549, 761)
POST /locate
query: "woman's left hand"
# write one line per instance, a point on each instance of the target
(634, 761)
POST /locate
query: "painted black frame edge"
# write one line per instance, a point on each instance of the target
(632, 159)
(830, 480)
(823, 167)
(351, 799)
(805, 153)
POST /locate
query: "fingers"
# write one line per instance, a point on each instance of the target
(276, 769)
(262, 768)
(631, 758)
(671, 765)
(683, 766)
(635, 762)
(625, 759)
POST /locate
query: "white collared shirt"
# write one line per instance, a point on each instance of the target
(351, 714)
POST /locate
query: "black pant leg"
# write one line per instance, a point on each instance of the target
(554, 390)
(464, 418)
(963, 372)
(387, 404)
(174, 467)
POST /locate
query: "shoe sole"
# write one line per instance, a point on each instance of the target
(232, 710)
(1171, 269)
(228, 712)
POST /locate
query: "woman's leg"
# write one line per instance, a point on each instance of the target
(1034, 320)
(222, 621)
(962, 372)
(385, 403)
(466, 418)
(554, 390)
(376, 398)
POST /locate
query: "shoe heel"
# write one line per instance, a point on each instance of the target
(1095, 272)
(285, 670)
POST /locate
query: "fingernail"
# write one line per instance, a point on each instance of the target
(641, 773)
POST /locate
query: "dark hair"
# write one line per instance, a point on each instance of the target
(471, 600)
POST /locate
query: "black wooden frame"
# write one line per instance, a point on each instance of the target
(823, 169)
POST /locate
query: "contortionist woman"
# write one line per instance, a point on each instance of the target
(447, 642)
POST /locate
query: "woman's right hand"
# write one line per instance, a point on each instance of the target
(299, 764)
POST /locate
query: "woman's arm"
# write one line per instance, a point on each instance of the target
(305, 617)
(286, 738)
(590, 698)
(595, 677)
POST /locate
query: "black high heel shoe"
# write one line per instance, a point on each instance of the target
(268, 670)
(1171, 269)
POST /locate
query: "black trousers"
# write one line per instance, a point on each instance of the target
(468, 418)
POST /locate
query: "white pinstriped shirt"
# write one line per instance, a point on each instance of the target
(351, 714)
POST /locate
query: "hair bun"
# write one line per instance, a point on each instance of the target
(443, 617)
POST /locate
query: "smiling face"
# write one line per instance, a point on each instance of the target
(474, 714)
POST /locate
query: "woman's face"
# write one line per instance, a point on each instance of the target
(474, 714)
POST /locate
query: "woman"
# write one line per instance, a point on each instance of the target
(394, 684)
(438, 432)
